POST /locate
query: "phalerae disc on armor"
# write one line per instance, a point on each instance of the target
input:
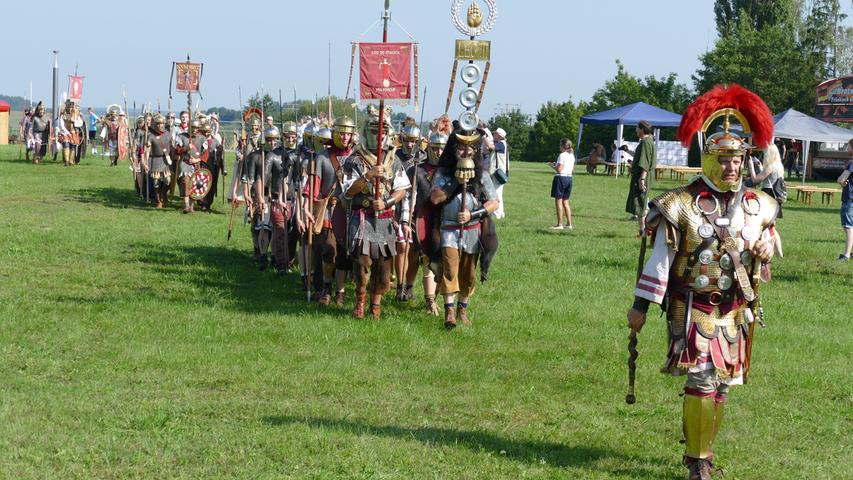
(726, 262)
(724, 282)
(748, 234)
(745, 258)
(705, 257)
(701, 281)
(706, 230)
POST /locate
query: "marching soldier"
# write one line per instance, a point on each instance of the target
(371, 235)
(418, 219)
(256, 173)
(409, 154)
(285, 157)
(189, 151)
(467, 196)
(110, 132)
(211, 158)
(157, 160)
(39, 134)
(299, 179)
(68, 135)
(136, 158)
(712, 244)
(329, 218)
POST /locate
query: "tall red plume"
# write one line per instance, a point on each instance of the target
(734, 96)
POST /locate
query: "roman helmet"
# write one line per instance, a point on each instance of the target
(271, 137)
(410, 133)
(159, 123)
(205, 127)
(308, 136)
(39, 109)
(437, 142)
(343, 125)
(140, 122)
(289, 134)
(170, 119)
(726, 102)
(322, 137)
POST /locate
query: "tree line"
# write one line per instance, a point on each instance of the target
(780, 49)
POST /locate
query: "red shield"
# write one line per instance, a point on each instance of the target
(122, 141)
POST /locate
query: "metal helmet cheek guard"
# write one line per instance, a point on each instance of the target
(322, 137)
(437, 142)
(732, 101)
(410, 133)
(289, 135)
(343, 125)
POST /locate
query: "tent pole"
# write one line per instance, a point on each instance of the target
(619, 130)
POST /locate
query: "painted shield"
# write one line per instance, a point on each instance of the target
(200, 183)
(122, 141)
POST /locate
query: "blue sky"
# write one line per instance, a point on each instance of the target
(541, 49)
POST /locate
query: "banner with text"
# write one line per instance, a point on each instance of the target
(386, 71)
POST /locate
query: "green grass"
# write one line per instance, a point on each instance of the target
(140, 344)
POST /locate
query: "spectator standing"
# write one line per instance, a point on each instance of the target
(645, 159)
(499, 167)
(561, 186)
(847, 204)
(794, 154)
(92, 123)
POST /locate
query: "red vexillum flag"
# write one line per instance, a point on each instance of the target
(75, 87)
(385, 71)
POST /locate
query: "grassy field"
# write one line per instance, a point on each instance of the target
(140, 344)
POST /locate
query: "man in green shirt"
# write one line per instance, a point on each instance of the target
(645, 159)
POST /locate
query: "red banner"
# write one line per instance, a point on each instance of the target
(75, 87)
(188, 76)
(386, 71)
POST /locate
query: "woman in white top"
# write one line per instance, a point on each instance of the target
(561, 186)
(771, 171)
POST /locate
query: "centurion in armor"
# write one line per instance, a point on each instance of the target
(713, 241)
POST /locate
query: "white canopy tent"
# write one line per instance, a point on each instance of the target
(799, 126)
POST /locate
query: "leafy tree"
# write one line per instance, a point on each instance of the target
(768, 62)
(819, 37)
(553, 122)
(518, 128)
(758, 13)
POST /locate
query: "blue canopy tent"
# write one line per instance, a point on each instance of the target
(631, 115)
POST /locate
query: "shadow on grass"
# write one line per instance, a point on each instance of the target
(110, 197)
(554, 454)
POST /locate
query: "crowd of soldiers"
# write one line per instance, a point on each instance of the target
(329, 206)
(183, 153)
